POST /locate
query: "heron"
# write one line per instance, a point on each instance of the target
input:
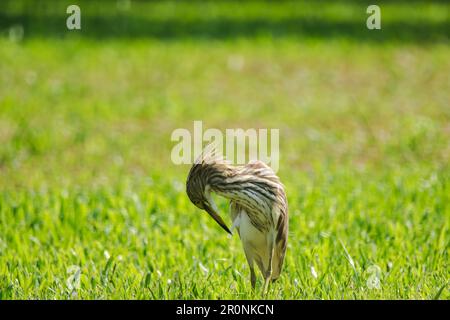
(258, 208)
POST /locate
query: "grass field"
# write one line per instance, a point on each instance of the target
(92, 207)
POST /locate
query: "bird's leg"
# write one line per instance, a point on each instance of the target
(268, 273)
(252, 277)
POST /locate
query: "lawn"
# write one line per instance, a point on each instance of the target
(92, 207)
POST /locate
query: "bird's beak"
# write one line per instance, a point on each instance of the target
(216, 216)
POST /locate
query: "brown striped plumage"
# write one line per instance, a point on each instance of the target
(258, 208)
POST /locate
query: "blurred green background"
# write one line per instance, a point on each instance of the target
(86, 116)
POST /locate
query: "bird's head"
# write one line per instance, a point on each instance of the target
(199, 192)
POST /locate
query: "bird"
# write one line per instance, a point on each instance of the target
(258, 208)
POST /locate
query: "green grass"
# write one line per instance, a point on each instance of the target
(91, 206)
